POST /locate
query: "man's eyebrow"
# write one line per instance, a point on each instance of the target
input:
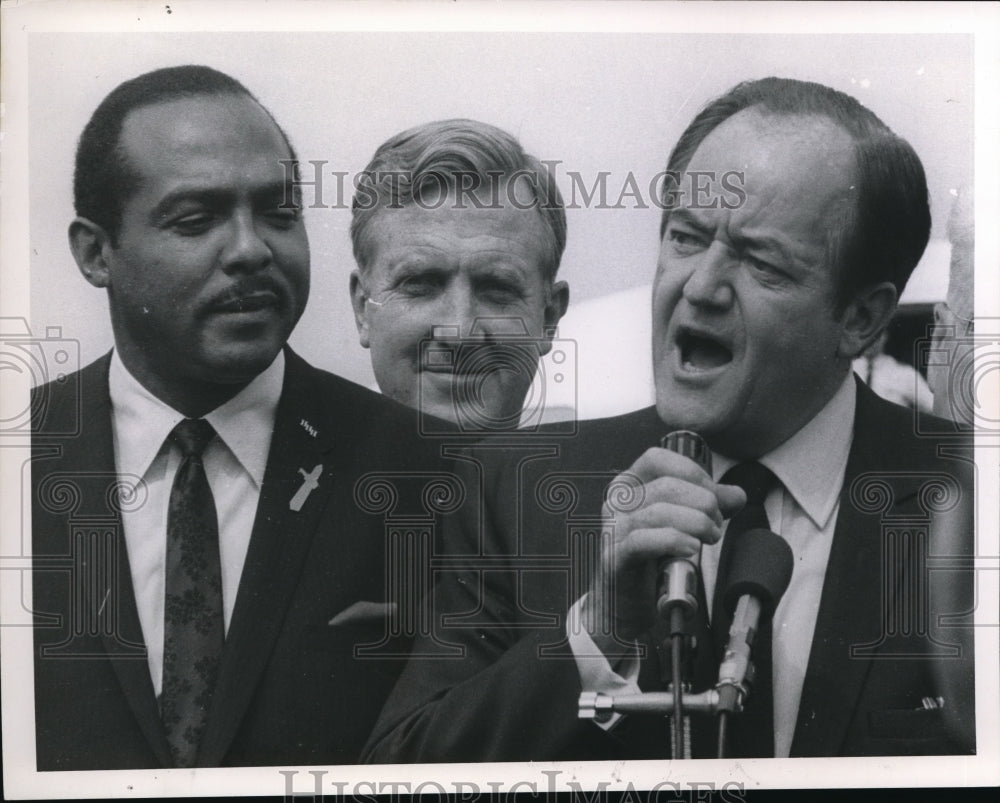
(763, 242)
(498, 267)
(210, 196)
(218, 196)
(685, 216)
(412, 261)
(277, 189)
(749, 241)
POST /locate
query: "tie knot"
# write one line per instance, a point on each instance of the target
(192, 436)
(755, 479)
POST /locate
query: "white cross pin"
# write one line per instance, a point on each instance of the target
(309, 483)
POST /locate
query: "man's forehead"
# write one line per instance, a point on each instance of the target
(756, 162)
(756, 137)
(494, 190)
(171, 133)
(468, 217)
(493, 237)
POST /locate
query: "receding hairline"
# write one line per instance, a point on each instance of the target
(245, 97)
(795, 123)
(128, 122)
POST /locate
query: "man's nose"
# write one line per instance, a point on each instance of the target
(246, 249)
(710, 281)
(458, 309)
(464, 315)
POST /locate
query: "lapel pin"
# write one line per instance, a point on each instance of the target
(308, 427)
(310, 482)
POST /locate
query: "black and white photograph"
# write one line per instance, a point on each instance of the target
(475, 398)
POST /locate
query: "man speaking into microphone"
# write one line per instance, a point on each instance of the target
(759, 307)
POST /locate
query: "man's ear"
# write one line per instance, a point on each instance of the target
(555, 308)
(91, 247)
(867, 314)
(359, 303)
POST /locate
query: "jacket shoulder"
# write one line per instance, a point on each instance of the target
(57, 407)
(615, 440)
(360, 416)
(906, 436)
(331, 387)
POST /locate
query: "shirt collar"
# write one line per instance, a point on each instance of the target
(244, 423)
(811, 463)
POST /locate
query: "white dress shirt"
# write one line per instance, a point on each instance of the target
(803, 510)
(234, 465)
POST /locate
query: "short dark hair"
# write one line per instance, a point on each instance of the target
(883, 235)
(103, 179)
(432, 157)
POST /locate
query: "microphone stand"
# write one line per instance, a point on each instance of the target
(681, 748)
(678, 599)
(736, 671)
(760, 573)
(595, 705)
(723, 721)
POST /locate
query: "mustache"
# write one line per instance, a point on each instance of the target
(249, 292)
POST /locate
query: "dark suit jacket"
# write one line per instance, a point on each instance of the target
(290, 690)
(513, 695)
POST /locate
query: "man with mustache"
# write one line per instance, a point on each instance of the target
(203, 570)
(458, 234)
(759, 306)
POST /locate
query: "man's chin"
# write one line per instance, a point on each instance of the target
(472, 405)
(444, 412)
(234, 366)
(690, 411)
(433, 396)
(471, 416)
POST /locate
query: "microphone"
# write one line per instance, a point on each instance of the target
(678, 590)
(760, 571)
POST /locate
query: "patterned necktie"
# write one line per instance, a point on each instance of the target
(752, 731)
(193, 622)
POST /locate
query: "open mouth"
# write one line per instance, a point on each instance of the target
(700, 352)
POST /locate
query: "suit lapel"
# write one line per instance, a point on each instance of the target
(133, 670)
(303, 438)
(94, 449)
(851, 587)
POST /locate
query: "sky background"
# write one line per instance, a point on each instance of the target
(610, 103)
